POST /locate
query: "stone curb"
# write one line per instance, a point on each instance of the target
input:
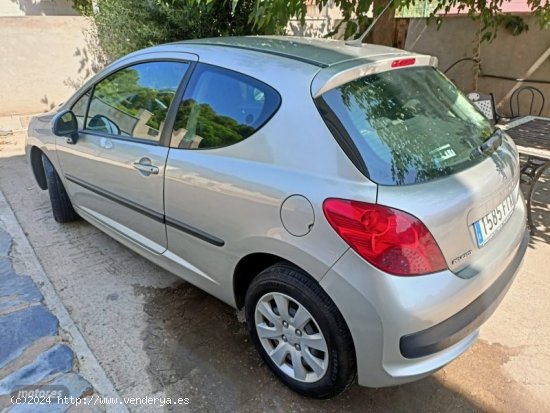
(89, 365)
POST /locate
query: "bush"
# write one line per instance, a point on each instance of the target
(123, 26)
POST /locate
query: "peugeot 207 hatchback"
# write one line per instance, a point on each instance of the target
(351, 200)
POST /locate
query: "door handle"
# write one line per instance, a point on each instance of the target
(144, 166)
(151, 169)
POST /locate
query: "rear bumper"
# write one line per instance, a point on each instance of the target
(466, 321)
(405, 328)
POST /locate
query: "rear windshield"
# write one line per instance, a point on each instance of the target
(409, 125)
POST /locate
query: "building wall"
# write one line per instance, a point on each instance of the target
(12, 8)
(317, 22)
(42, 59)
(520, 57)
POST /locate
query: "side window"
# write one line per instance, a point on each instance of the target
(134, 101)
(221, 107)
(79, 109)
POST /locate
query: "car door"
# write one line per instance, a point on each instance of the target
(114, 172)
(205, 185)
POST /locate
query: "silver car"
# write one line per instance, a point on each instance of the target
(366, 217)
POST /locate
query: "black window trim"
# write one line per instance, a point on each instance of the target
(166, 132)
(89, 89)
(341, 135)
(231, 144)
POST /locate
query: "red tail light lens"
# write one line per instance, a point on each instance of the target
(391, 240)
(403, 62)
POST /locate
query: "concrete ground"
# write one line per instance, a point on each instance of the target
(156, 335)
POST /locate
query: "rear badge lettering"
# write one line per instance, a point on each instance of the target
(461, 257)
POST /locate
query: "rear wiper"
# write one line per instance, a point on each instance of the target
(494, 141)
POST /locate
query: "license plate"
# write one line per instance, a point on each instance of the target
(491, 223)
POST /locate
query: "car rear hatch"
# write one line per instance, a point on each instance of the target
(433, 154)
(454, 207)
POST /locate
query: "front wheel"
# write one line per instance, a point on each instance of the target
(299, 332)
(62, 207)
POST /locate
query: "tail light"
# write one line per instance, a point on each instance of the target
(389, 239)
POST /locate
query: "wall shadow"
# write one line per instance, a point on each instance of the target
(49, 104)
(90, 59)
(312, 28)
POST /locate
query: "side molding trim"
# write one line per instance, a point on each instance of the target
(174, 223)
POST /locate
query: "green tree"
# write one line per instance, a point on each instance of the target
(123, 26)
(214, 129)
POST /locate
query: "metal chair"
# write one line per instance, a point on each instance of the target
(530, 173)
(532, 93)
(534, 167)
(486, 104)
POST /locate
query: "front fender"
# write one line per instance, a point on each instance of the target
(41, 140)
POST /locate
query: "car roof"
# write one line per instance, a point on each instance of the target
(322, 64)
(318, 52)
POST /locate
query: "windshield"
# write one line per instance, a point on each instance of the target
(409, 125)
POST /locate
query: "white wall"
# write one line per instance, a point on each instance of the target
(40, 59)
(317, 22)
(14, 8)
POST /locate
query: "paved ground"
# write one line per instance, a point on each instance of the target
(32, 354)
(156, 335)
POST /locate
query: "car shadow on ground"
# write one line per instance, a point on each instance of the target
(198, 349)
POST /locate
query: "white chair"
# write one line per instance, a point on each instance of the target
(486, 104)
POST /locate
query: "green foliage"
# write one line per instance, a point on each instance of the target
(213, 129)
(402, 115)
(124, 26)
(84, 7)
(514, 24)
(123, 92)
(489, 13)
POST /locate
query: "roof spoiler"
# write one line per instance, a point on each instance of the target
(339, 74)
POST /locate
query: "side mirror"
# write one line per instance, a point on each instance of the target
(101, 123)
(64, 124)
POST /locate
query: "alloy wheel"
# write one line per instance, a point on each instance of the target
(291, 337)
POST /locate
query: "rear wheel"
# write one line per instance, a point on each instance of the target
(299, 332)
(62, 207)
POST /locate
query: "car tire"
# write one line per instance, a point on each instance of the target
(333, 367)
(62, 207)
